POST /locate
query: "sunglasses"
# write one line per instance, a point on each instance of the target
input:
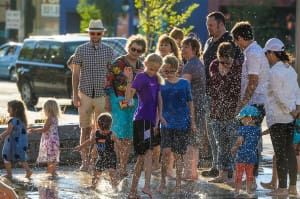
(168, 71)
(96, 33)
(224, 63)
(133, 49)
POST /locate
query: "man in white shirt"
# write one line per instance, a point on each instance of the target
(254, 72)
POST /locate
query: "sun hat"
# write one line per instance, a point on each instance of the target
(274, 44)
(248, 111)
(96, 26)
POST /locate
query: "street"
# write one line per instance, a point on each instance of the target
(9, 91)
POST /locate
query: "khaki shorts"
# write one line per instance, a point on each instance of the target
(89, 109)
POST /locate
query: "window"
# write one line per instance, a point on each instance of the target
(56, 54)
(27, 51)
(41, 52)
(3, 51)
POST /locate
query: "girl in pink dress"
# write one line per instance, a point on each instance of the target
(49, 145)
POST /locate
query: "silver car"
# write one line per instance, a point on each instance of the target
(9, 53)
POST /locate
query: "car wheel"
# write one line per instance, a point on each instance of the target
(27, 94)
(12, 74)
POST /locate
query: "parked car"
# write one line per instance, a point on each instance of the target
(9, 53)
(41, 66)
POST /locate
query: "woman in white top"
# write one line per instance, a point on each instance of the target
(280, 113)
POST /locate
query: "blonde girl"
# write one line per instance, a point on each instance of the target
(49, 144)
(147, 87)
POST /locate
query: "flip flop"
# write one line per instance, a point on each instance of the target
(217, 180)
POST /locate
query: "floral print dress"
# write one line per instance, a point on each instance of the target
(49, 145)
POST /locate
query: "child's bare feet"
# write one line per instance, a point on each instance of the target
(161, 188)
(178, 189)
(28, 174)
(147, 191)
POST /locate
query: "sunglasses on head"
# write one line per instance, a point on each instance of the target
(96, 33)
(133, 49)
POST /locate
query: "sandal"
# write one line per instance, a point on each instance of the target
(267, 185)
(217, 180)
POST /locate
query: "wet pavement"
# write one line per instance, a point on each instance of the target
(73, 184)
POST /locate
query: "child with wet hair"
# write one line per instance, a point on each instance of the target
(244, 150)
(105, 141)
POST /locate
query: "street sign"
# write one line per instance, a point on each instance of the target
(12, 19)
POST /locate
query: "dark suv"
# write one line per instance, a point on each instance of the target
(41, 66)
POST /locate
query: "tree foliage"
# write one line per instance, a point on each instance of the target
(159, 16)
(87, 12)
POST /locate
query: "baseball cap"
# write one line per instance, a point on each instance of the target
(274, 44)
(248, 111)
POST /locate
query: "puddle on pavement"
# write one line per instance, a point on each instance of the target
(72, 184)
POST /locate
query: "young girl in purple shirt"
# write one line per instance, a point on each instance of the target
(147, 87)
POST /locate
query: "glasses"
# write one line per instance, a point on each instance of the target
(96, 33)
(168, 71)
(133, 49)
(225, 63)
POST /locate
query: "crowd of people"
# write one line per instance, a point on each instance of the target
(178, 106)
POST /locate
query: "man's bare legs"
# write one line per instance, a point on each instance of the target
(84, 135)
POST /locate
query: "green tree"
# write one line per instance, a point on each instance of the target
(158, 16)
(265, 20)
(108, 14)
(87, 12)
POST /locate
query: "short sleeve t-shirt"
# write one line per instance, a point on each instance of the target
(147, 89)
(175, 107)
(255, 63)
(247, 151)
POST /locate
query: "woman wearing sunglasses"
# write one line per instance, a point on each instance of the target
(225, 83)
(122, 111)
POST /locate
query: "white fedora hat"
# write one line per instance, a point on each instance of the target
(96, 26)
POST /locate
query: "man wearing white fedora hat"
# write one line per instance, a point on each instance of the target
(90, 64)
